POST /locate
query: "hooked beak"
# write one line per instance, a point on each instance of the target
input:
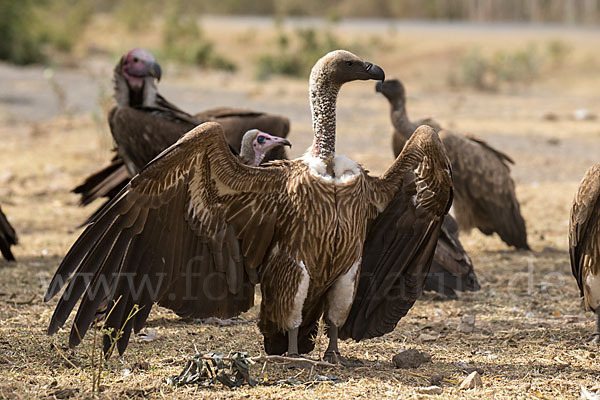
(375, 72)
(278, 141)
(154, 70)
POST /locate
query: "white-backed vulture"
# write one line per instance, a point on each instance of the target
(484, 192)
(196, 229)
(584, 242)
(8, 237)
(143, 124)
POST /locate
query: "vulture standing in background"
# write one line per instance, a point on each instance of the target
(196, 229)
(584, 242)
(8, 237)
(143, 124)
(484, 192)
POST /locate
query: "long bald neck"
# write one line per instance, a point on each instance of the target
(126, 96)
(400, 118)
(323, 97)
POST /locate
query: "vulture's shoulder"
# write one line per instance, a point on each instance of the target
(584, 226)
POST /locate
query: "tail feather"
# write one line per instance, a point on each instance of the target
(104, 183)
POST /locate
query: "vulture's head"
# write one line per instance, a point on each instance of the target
(138, 65)
(393, 90)
(341, 66)
(256, 144)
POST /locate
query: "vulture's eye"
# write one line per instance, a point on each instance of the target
(349, 63)
(260, 139)
(135, 59)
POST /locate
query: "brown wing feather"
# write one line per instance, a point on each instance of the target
(451, 268)
(167, 238)
(484, 190)
(8, 237)
(237, 121)
(584, 228)
(399, 247)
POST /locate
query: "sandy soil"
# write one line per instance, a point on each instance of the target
(530, 332)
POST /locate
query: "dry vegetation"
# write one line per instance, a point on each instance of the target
(529, 337)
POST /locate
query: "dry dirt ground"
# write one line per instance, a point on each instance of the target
(530, 332)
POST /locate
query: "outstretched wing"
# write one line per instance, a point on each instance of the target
(189, 232)
(485, 191)
(237, 121)
(399, 247)
(584, 228)
(8, 237)
(451, 268)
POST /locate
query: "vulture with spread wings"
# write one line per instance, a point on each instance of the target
(196, 230)
(584, 242)
(484, 191)
(143, 124)
(8, 237)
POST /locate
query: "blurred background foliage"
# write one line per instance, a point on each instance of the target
(47, 31)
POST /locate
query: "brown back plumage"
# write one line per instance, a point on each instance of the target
(8, 237)
(485, 192)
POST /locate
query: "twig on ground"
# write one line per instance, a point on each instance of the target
(60, 353)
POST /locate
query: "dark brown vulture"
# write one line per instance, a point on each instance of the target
(484, 192)
(8, 237)
(584, 242)
(143, 124)
(196, 229)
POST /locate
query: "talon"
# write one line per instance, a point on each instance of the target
(333, 357)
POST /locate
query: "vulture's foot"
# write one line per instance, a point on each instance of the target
(596, 334)
(334, 357)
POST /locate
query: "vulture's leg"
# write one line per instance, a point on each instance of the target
(293, 342)
(339, 301)
(332, 354)
(596, 334)
(284, 285)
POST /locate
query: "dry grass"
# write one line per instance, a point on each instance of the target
(530, 332)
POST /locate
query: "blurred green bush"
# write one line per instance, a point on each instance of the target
(295, 54)
(519, 66)
(184, 42)
(31, 30)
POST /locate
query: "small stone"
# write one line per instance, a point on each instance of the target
(468, 368)
(583, 114)
(467, 324)
(426, 337)
(410, 358)
(472, 381)
(550, 116)
(436, 380)
(430, 390)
